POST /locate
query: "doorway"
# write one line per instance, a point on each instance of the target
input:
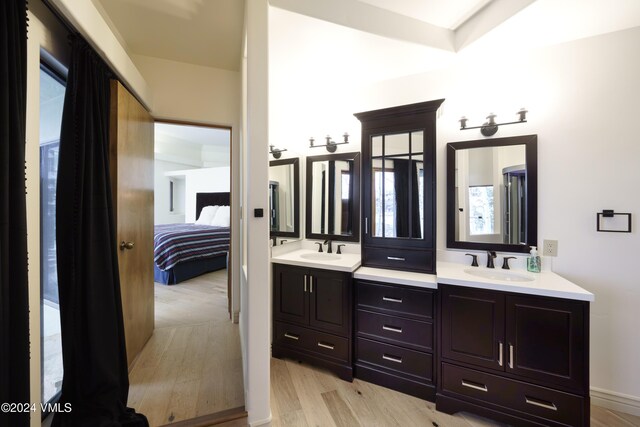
(192, 365)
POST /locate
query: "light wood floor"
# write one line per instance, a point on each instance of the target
(192, 365)
(303, 395)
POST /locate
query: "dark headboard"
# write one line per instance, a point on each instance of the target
(211, 199)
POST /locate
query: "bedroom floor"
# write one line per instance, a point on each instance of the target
(192, 365)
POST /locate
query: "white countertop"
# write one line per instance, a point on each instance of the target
(419, 280)
(347, 262)
(545, 283)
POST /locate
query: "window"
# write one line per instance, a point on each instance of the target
(481, 212)
(52, 89)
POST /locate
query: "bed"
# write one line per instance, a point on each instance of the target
(185, 251)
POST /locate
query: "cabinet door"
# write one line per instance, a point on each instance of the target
(290, 296)
(548, 339)
(473, 326)
(329, 301)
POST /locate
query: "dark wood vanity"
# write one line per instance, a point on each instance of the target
(517, 358)
(468, 344)
(312, 317)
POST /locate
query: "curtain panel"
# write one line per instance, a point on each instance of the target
(95, 381)
(14, 299)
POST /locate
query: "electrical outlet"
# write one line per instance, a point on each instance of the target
(550, 248)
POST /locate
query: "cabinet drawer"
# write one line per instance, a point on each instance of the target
(399, 359)
(532, 399)
(392, 299)
(399, 259)
(395, 330)
(308, 339)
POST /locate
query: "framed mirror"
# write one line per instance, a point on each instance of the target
(492, 194)
(284, 198)
(333, 197)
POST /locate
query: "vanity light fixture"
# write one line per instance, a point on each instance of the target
(276, 152)
(490, 127)
(331, 145)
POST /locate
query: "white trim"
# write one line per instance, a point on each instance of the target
(266, 421)
(616, 401)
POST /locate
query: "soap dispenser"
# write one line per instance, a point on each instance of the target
(533, 261)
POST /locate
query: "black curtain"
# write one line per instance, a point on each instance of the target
(402, 189)
(405, 179)
(95, 381)
(14, 300)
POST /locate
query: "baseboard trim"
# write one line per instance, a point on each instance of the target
(212, 419)
(262, 422)
(616, 401)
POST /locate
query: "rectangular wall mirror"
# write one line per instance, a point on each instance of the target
(284, 198)
(492, 194)
(333, 197)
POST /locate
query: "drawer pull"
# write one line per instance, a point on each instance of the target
(291, 337)
(323, 345)
(511, 356)
(392, 329)
(395, 258)
(389, 299)
(475, 386)
(540, 403)
(501, 351)
(392, 358)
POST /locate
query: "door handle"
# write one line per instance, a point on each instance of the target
(501, 351)
(311, 284)
(126, 245)
(305, 283)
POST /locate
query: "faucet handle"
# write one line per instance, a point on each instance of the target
(319, 246)
(339, 252)
(474, 262)
(492, 254)
(505, 262)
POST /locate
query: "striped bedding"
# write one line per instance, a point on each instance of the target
(175, 243)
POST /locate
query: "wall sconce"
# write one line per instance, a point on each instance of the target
(331, 145)
(490, 127)
(276, 152)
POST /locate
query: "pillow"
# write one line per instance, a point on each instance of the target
(222, 217)
(207, 214)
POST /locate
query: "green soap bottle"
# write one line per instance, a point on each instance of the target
(533, 261)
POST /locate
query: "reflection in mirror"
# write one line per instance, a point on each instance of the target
(398, 185)
(284, 198)
(492, 194)
(332, 196)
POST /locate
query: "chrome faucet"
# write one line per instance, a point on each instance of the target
(490, 256)
(328, 243)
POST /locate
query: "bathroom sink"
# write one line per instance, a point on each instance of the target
(499, 275)
(320, 256)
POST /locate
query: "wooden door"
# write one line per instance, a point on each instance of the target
(131, 157)
(329, 301)
(290, 296)
(473, 326)
(548, 339)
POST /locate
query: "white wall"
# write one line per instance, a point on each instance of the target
(161, 193)
(581, 97)
(207, 180)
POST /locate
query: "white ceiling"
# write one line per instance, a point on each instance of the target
(202, 32)
(442, 13)
(192, 135)
(367, 39)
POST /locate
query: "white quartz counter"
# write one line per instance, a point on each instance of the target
(545, 283)
(347, 262)
(419, 280)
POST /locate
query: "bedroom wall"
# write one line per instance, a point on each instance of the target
(208, 180)
(161, 193)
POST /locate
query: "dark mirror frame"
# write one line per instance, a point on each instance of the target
(296, 194)
(355, 206)
(531, 154)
